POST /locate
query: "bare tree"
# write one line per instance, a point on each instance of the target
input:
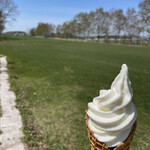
(144, 14)
(1, 22)
(118, 21)
(82, 24)
(101, 23)
(107, 24)
(51, 29)
(8, 12)
(91, 19)
(132, 24)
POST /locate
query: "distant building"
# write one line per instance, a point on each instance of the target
(16, 33)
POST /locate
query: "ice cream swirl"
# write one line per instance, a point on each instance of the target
(112, 114)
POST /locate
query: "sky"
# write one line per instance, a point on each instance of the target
(57, 11)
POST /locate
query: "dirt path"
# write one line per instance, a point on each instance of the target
(10, 121)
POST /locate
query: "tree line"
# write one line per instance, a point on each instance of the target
(112, 25)
(107, 25)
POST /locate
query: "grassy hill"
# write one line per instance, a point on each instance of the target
(55, 79)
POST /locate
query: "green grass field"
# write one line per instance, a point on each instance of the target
(55, 79)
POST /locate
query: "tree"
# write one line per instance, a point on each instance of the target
(8, 12)
(45, 29)
(59, 30)
(42, 29)
(132, 23)
(72, 26)
(102, 22)
(144, 14)
(32, 32)
(66, 30)
(118, 21)
(82, 24)
(51, 28)
(1, 23)
(98, 23)
(107, 23)
(91, 19)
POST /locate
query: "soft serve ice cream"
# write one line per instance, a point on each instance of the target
(112, 114)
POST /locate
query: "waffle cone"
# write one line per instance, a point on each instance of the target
(97, 145)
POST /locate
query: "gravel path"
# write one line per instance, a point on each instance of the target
(10, 122)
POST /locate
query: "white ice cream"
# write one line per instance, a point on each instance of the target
(112, 114)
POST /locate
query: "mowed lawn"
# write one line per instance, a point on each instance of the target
(55, 79)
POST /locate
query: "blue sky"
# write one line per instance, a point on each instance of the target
(58, 11)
